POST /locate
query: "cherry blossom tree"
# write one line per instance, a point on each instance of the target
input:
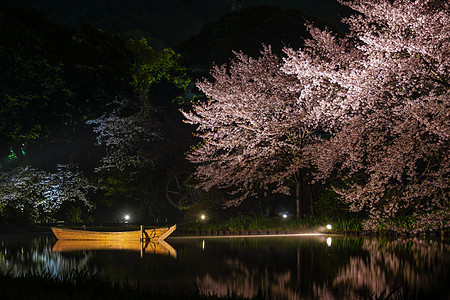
(379, 97)
(253, 128)
(131, 139)
(124, 132)
(35, 192)
(383, 96)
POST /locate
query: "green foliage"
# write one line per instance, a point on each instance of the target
(13, 213)
(209, 203)
(28, 88)
(74, 215)
(52, 80)
(150, 67)
(255, 223)
(329, 204)
(115, 186)
(349, 223)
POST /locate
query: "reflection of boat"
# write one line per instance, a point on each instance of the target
(154, 234)
(157, 247)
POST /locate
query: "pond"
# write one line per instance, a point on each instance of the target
(284, 267)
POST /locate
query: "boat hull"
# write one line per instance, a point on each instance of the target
(156, 234)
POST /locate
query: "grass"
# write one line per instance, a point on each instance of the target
(343, 223)
(253, 223)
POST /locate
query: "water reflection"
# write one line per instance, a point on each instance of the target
(160, 247)
(279, 267)
(322, 267)
(36, 256)
(422, 265)
(334, 269)
(247, 281)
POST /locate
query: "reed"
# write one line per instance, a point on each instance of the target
(344, 223)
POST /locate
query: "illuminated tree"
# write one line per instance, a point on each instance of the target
(125, 132)
(133, 129)
(252, 127)
(383, 96)
(32, 193)
(379, 98)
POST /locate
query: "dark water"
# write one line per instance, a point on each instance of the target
(298, 267)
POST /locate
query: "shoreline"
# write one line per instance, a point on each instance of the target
(291, 233)
(8, 231)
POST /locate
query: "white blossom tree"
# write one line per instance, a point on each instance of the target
(125, 132)
(36, 192)
(383, 95)
(253, 128)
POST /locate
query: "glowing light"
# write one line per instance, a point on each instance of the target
(203, 245)
(285, 216)
(202, 217)
(127, 218)
(329, 242)
(328, 226)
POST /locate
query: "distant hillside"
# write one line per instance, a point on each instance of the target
(163, 22)
(246, 29)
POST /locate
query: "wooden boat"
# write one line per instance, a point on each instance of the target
(147, 235)
(158, 247)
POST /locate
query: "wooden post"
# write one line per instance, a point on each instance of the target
(142, 233)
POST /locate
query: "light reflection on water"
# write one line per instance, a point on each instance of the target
(34, 255)
(297, 267)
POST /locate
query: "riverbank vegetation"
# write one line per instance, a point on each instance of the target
(281, 224)
(349, 224)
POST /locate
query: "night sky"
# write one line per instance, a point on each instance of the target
(166, 23)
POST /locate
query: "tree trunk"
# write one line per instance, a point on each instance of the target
(298, 194)
(311, 202)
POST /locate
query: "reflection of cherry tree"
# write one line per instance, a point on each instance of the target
(247, 282)
(377, 267)
(416, 268)
(38, 192)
